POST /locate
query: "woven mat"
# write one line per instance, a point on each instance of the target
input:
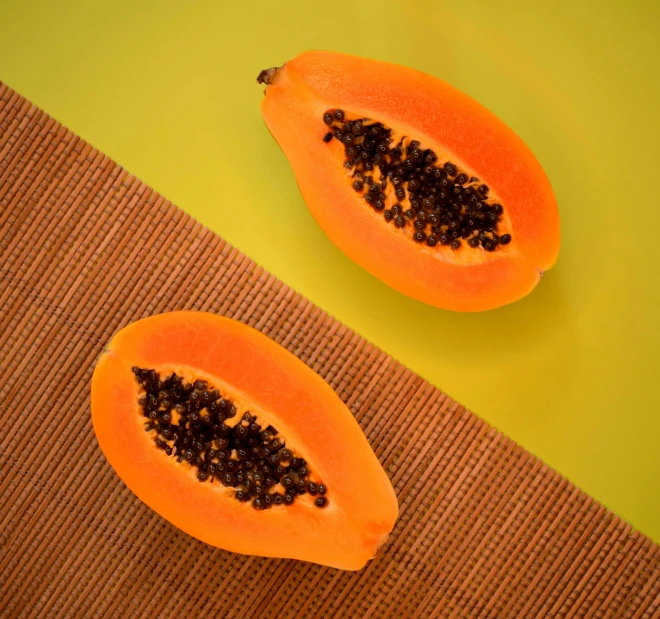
(486, 529)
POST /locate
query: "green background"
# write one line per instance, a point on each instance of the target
(571, 372)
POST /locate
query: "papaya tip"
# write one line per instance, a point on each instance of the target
(266, 76)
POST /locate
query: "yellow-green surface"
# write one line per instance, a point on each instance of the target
(168, 89)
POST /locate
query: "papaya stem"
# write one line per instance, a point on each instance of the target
(267, 75)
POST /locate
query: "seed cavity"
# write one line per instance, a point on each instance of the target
(440, 203)
(188, 423)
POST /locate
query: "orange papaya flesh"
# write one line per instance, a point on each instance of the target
(491, 230)
(178, 397)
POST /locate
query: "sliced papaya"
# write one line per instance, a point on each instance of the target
(414, 180)
(234, 440)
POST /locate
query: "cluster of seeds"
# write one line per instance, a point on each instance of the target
(442, 204)
(189, 423)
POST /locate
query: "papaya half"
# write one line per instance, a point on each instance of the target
(234, 440)
(414, 180)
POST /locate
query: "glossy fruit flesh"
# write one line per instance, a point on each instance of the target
(256, 374)
(456, 129)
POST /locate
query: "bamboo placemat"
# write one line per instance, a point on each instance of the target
(486, 529)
